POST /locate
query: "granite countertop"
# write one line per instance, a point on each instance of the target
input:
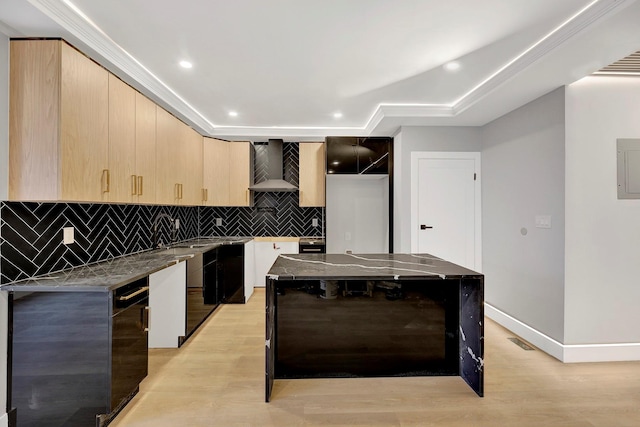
(365, 267)
(108, 275)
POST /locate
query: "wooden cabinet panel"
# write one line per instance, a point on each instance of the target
(58, 123)
(122, 142)
(215, 174)
(84, 116)
(34, 125)
(240, 176)
(167, 160)
(312, 174)
(191, 145)
(145, 149)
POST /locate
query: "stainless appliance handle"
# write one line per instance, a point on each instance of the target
(147, 323)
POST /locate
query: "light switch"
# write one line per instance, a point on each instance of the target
(218, 222)
(314, 222)
(543, 221)
(67, 235)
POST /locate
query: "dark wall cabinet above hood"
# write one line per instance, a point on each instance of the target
(274, 170)
(358, 155)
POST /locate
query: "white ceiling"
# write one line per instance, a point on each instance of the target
(287, 65)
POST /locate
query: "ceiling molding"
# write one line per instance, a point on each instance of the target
(581, 20)
(67, 16)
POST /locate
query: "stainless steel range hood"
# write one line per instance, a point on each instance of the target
(274, 181)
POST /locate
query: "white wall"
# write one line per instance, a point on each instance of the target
(602, 279)
(4, 188)
(411, 139)
(522, 177)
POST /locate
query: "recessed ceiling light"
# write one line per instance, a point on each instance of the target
(452, 66)
(233, 113)
(337, 115)
(186, 64)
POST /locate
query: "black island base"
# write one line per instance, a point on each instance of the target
(373, 315)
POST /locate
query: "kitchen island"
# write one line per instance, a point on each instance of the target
(373, 315)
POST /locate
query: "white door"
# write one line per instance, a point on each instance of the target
(446, 201)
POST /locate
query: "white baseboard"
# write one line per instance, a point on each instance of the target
(568, 353)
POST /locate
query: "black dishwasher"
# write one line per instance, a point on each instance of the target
(202, 294)
(129, 341)
(231, 273)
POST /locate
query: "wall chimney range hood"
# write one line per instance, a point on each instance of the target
(274, 181)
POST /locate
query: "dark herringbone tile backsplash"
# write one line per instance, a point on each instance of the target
(31, 233)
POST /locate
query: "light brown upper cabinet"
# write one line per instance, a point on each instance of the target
(191, 150)
(178, 161)
(240, 173)
(122, 142)
(132, 144)
(215, 179)
(58, 123)
(311, 176)
(227, 173)
(145, 149)
(169, 159)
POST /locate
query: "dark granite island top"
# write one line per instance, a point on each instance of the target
(351, 315)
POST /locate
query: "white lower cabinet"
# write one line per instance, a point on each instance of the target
(167, 305)
(266, 254)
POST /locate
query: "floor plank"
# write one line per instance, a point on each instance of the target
(217, 379)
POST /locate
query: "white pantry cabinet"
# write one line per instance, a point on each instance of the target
(267, 250)
(249, 269)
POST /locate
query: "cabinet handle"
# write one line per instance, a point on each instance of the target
(180, 191)
(147, 319)
(134, 185)
(204, 194)
(105, 180)
(246, 198)
(139, 185)
(133, 294)
(176, 191)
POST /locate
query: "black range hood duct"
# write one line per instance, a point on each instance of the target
(274, 181)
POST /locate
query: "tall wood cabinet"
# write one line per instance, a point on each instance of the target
(311, 174)
(145, 149)
(58, 123)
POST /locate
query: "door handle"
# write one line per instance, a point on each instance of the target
(424, 227)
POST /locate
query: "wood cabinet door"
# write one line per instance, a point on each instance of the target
(240, 175)
(168, 160)
(34, 126)
(84, 117)
(215, 173)
(192, 167)
(145, 149)
(311, 174)
(122, 142)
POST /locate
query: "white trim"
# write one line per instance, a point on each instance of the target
(4, 420)
(470, 155)
(567, 353)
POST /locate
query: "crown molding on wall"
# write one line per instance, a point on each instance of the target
(70, 18)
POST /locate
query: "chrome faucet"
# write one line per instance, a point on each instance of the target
(155, 242)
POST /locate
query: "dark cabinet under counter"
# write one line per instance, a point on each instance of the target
(77, 357)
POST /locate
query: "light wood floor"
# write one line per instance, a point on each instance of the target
(217, 379)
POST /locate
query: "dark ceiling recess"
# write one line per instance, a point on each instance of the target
(627, 65)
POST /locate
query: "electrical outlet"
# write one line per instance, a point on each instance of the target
(218, 222)
(68, 235)
(543, 221)
(314, 222)
(177, 224)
